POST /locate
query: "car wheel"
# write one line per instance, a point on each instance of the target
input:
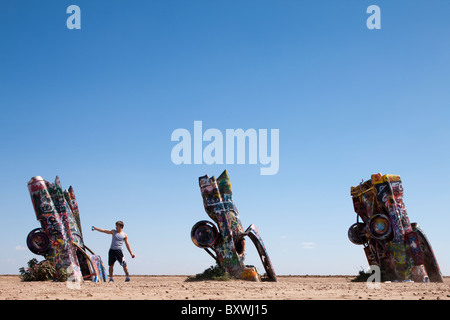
(380, 227)
(204, 234)
(355, 233)
(38, 242)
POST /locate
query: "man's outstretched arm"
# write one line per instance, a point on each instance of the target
(103, 230)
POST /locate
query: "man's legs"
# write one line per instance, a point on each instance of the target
(117, 255)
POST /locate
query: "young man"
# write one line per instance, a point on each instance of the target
(115, 251)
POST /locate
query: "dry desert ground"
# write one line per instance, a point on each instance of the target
(177, 288)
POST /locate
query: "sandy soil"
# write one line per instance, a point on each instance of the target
(176, 288)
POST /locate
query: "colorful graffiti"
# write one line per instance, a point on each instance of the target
(399, 247)
(227, 240)
(59, 239)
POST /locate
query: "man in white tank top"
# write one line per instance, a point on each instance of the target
(115, 252)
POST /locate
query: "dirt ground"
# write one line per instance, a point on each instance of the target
(176, 288)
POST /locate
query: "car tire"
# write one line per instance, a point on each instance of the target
(380, 227)
(38, 242)
(204, 234)
(356, 235)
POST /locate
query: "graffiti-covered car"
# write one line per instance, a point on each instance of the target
(399, 248)
(59, 238)
(226, 241)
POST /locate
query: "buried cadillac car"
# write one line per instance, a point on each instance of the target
(59, 239)
(228, 240)
(399, 248)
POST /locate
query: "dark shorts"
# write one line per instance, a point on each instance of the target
(116, 255)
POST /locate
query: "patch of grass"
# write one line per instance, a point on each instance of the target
(362, 276)
(216, 273)
(42, 271)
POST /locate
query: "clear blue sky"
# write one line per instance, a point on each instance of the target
(97, 107)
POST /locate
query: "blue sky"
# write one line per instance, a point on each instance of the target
(97, 107)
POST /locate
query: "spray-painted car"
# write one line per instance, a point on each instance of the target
(60, 239)
(227, 240)
(399, 248)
